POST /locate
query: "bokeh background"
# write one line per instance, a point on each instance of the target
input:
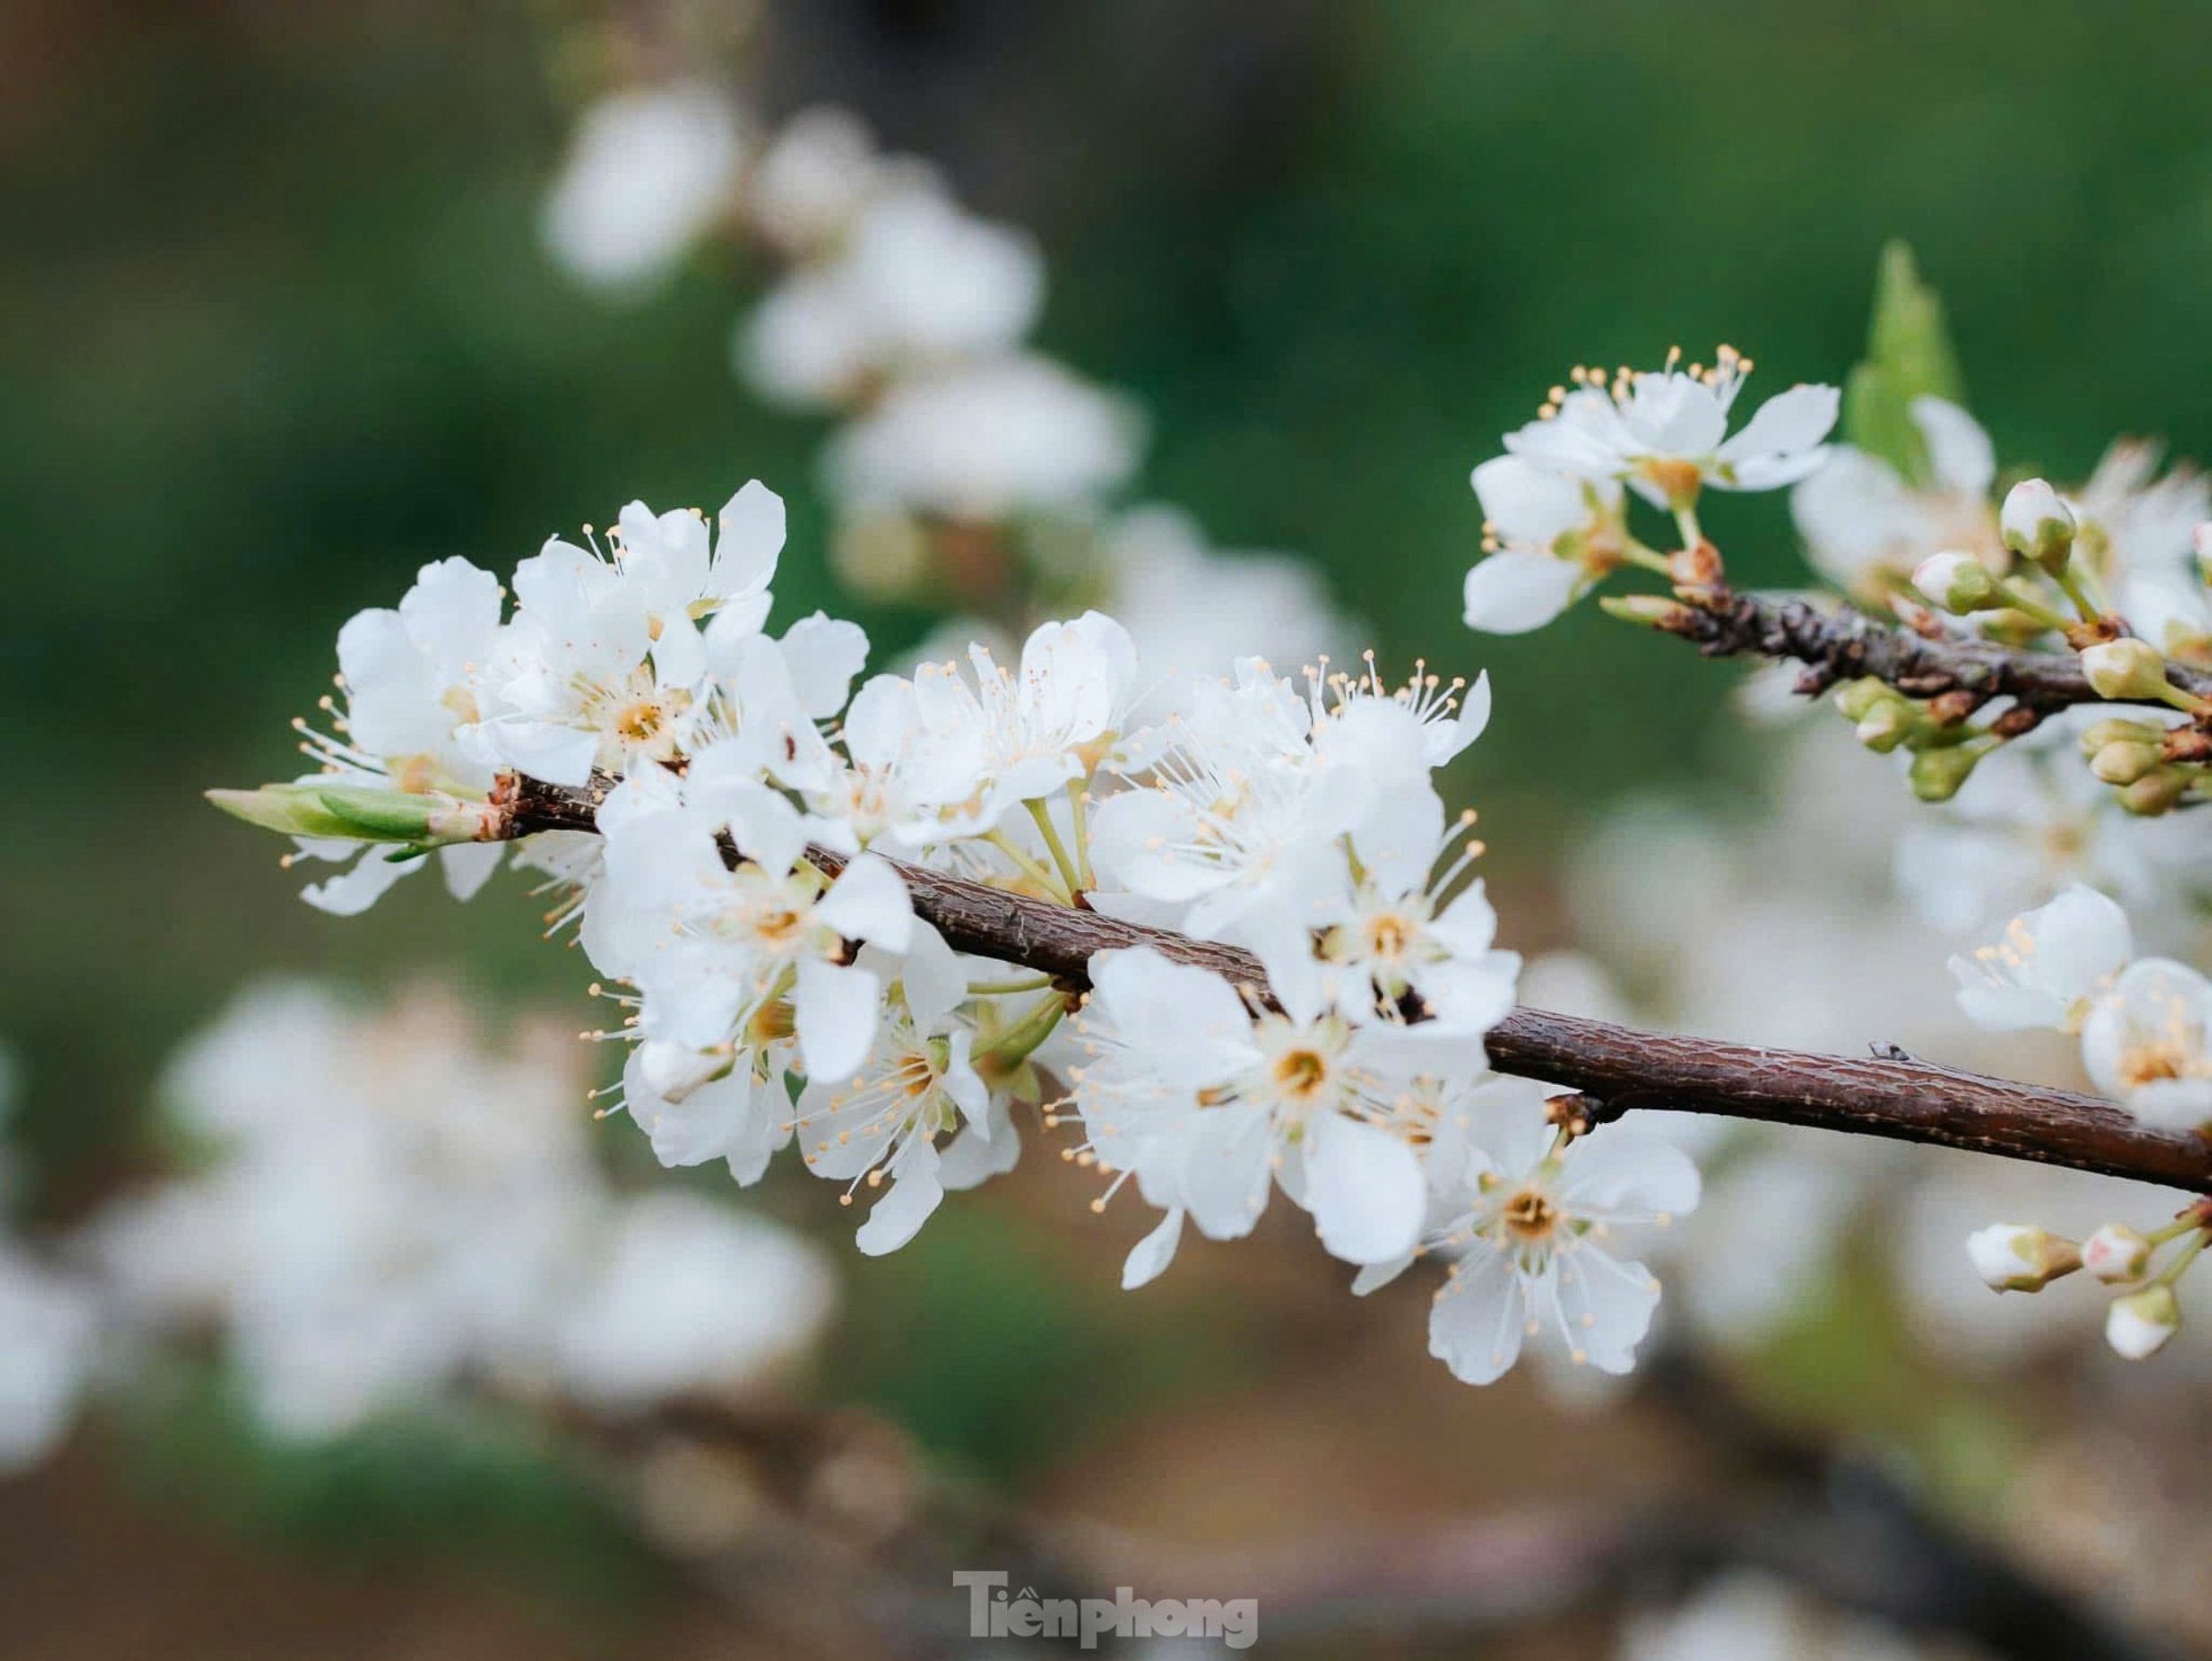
(276, 328)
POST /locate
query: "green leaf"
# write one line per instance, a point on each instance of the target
(1908, 356)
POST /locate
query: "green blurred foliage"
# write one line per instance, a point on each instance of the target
(1908, 357)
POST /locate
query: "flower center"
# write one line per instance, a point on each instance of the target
(1387, 936)
(1301, 1073)
(2147, 1063)
(1530, 1215)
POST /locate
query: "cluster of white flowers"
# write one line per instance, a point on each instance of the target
(740, 899)
(1555, 504)
(969, 468)
(386, 1210)
(2145, 1030)
(2112, 576)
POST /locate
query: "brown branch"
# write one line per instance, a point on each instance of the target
(1618, 1068)
(1844, 645)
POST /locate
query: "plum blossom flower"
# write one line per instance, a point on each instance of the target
(1664, 434)
(714, 947)
(1235, 835)
(983, 440)
(1210, 1106)
(649, 171)
(605, 661)
(1866, 526)
(918, 1084)
(1016, 735)
(2146, 1043)
(917, 281)
(687, 1298)
(410, 680)
(2048, 966)
(1549, 536)
(1531, 1248)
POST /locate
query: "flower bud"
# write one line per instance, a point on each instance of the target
(2125, 762)
(1857, 700)
(1936, 774)
(2126, 668)
(353, 813)
(2038, 525)
(2155, 793)
(1887, 724)
(2139, 1323)
(2018, 1257)
(2117, 1254)
(1957, 582)
(1653, 611)
(2097, 734)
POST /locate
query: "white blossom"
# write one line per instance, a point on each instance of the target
(916, 282)
(649, 172)
(2047, 966)
(983, 440)
(1530, 1250)
(409, 677)
(1864, 525)
(1210, 1106)
(2144, 1043)
(883, 1125)
(1664, 434)
(1550, 535)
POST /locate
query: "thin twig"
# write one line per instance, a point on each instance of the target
(1843, 645)
(1619, 1068)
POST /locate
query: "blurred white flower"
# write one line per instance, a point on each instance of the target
(916, 282)
(984, 440)
(390, 1211)
(1865, 527)
(688, 1297)
(2146, 1043)
(2047, 966)
(649, 171)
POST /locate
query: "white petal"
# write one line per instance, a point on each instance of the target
(1225, 1170)
(896, 1217)
(752, 533)
(1963, 458)
(824, 653)
(1373, 1277)
(971, 1159)
(1608, 1305)
(1527, 504)
(1365, 1189)
(1786, 424)
(1627, 1174)
(869, 902)
(1475, 1324)
(1150, 1255)
(1511, 593)
(468, 866)
(933, 977)
(835, 1009)
(352, 892)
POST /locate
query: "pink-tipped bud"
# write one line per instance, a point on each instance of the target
(2117, 1254)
